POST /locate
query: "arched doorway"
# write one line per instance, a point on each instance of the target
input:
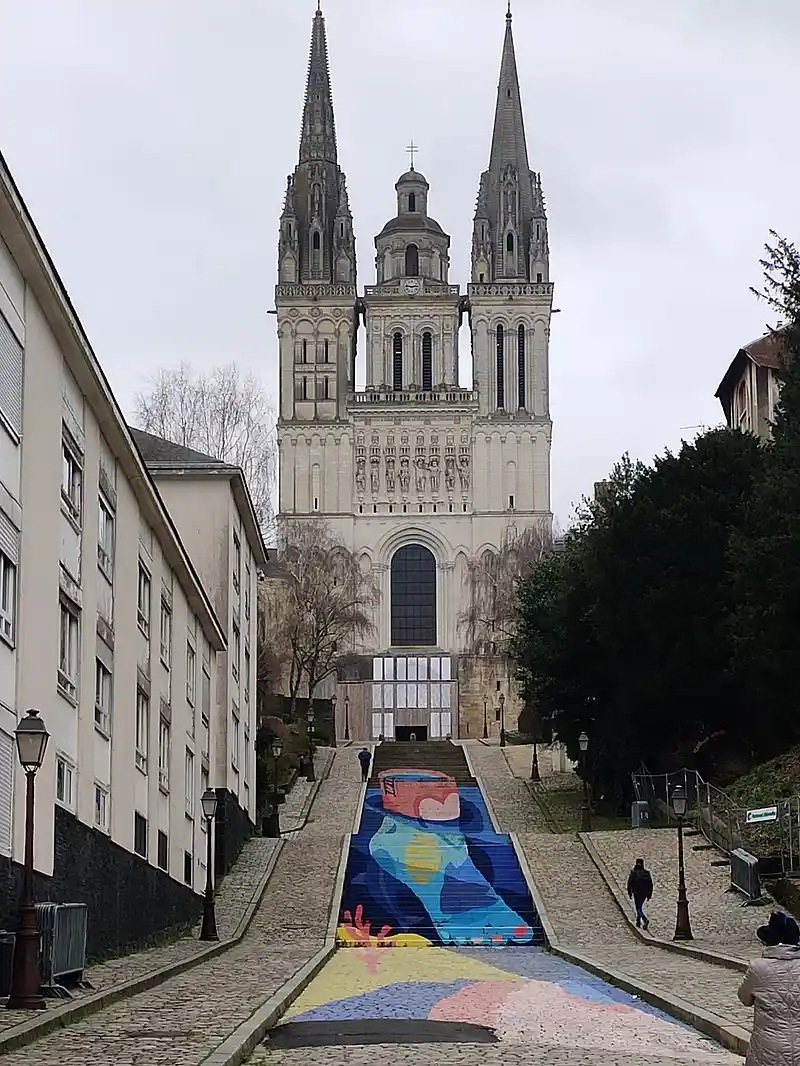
(413, 597)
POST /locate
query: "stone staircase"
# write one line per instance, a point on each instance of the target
(436, 755)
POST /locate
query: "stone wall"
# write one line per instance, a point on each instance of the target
(129, 901)
(232, 829)
(478, 677)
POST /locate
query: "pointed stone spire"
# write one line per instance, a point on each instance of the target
(509, 147)
(318, 134)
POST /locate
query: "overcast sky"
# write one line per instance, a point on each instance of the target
(151, 140)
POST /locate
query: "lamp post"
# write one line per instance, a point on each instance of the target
(26, 975)
(347, 716)
(485, 719)
(273, 820)
(333, 720)
(683, 927)
(586, 810)
(502, 721)
(535, 775)
(310, 776)
(208, 931)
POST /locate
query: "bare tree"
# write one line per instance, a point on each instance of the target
(491, 617)
(225, 414)
(325, 608)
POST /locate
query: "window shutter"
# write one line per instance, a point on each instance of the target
(6, 791)
(11, 371)
(9, 539)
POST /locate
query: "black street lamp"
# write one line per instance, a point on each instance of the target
(502, 720)
(273, 825)
(26, 974)
(347, 716)
(485, 719)
(683, 927)
(333, 720)
(586, 810)
(535, 775)
(208, 931)
(310, 776)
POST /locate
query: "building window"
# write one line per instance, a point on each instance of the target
(235, 738)
(191, 674)
(101, 807)
(188, 867)
(206, 695)
(142, 728)
(305, 351)
(246, 678)
(102, 697)
(316, 254)
(413, 597)
(188, 782)
(65, 782)
(510, 243)
(326, 388)
(521, 366)
(237, 561)
(501, 383)
(143, 600)
(327, 351)
(163, 850)
(166, 632)
(164, 737)
(397, 362)
(412, 261)
(140, 834)
(105, 540)
(248, 578)
(427, 361)
(246, 755)
(8, 599)
(71, 480)
(236, 651)
(69, 651)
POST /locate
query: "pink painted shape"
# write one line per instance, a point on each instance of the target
(431, 810)
(479, 1003)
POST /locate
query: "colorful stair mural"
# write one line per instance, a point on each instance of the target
(427, 867)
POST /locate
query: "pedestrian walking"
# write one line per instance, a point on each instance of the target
(772, 986)
(640, 890)
(365, 758)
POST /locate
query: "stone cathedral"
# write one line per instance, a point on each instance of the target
(415, 473)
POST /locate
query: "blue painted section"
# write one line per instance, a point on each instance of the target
(456, 882)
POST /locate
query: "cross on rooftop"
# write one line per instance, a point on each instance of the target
(412, 151)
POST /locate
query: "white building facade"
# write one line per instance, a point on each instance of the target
(415, 473)
(106, 627)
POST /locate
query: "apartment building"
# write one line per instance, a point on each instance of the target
(105, 627)
(212, 509)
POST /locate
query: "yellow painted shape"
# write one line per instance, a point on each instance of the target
(423, 857)
(345, 938)
(355, 971)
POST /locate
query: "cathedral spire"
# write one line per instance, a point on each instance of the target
(318, 134)
(508, 138)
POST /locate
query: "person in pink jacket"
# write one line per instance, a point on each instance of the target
(772, 986)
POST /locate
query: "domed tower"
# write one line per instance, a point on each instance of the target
(412, 312)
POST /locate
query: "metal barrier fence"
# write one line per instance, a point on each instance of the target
(63, 928)
(723, 821)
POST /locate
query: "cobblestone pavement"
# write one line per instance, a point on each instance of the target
(586, 918)
(719, 921)
(181, 1021)
(520, 757)
(509, 796)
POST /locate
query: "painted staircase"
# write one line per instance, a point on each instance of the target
(440, 876)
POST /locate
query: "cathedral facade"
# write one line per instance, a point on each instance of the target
(414, 473)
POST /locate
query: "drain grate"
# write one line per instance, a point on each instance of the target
(159, 1034)
(376, 1031)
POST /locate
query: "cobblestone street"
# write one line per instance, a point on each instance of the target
(182, 1020)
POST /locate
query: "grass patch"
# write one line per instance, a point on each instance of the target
(564, 811)
(777, 779)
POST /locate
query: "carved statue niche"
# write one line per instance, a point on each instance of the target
(405, 475)
(450, 472)
(464, 471)
(375, 474)
(361, 473)
(421, 472)
(434, 470)
(390, 473)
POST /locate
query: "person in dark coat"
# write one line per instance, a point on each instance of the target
(640, 890)
(365, 758)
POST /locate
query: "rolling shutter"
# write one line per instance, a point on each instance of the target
(6, 791)
(11, 374)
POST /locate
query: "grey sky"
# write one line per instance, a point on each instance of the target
(151, 140)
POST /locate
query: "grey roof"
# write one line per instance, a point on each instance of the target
(412, 176)
(157, 450)
(318, 134)
(411, 223)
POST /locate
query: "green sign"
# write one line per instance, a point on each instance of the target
(762, 814)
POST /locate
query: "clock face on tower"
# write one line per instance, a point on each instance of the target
(412, 286)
